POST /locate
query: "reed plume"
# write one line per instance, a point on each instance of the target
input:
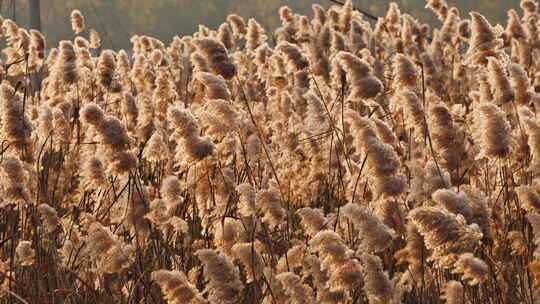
(77, 21)
(223, 278)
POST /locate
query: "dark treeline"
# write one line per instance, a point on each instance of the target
(118, 20)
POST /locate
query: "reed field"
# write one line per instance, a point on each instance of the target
(333, 160)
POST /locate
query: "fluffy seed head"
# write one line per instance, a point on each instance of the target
(77, 21)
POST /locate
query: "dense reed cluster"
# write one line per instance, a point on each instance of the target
(332, 161)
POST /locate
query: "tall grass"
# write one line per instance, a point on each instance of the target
(332, 161)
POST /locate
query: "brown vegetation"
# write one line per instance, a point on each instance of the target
(347, 163)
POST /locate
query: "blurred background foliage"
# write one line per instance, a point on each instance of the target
(118, 20)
